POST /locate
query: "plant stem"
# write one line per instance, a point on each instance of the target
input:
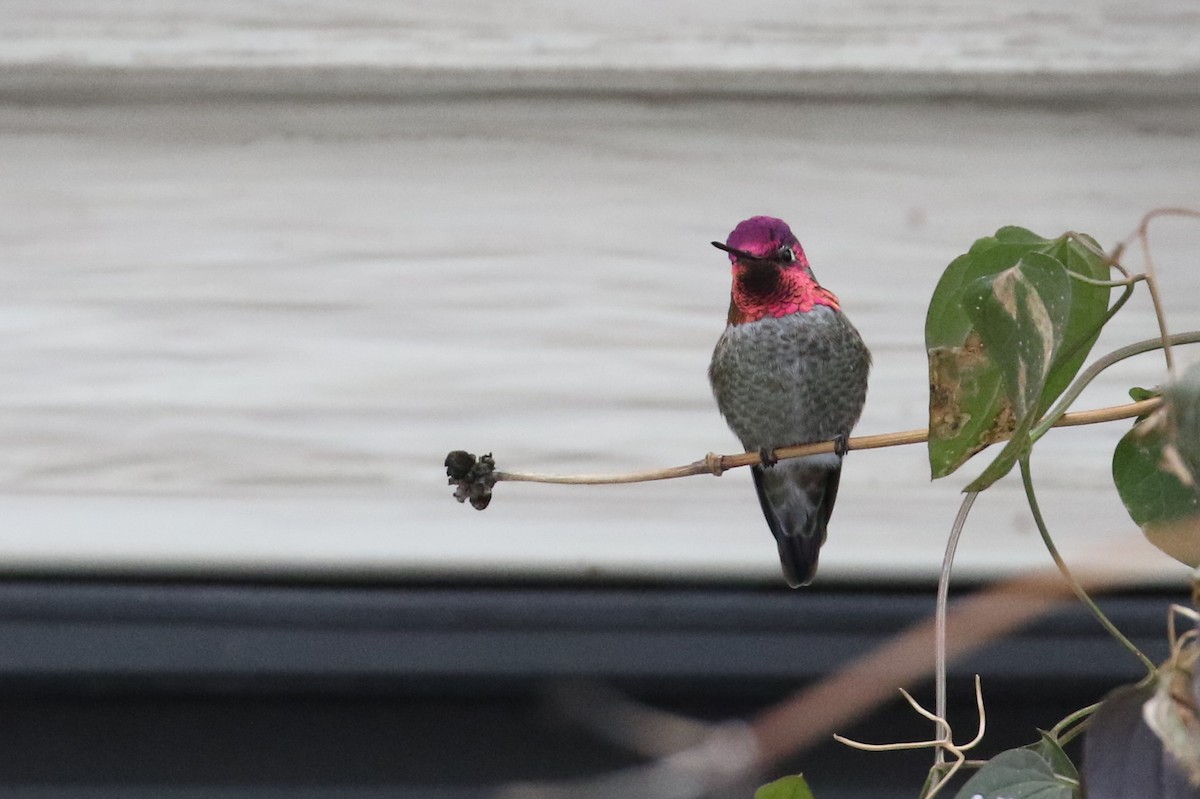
(939, 628)
(717, 464)
(1056, 417)
(1091, 281)
(1142, 234)
(1027, 480)
(1058, 412)
(1075, 722)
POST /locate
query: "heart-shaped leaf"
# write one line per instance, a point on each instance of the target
(1153, 491)
(1016, 774)
(977, 389)
(1156, 468)
(1021, 315)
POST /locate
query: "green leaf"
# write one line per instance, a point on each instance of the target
(1152, 494)
(1050, 750)
(964, 385)
(1088, 305)
(1138, 394)
(1018, 774)
(1156, 468)
(793, 787)
(1021, 315)
(972, 379)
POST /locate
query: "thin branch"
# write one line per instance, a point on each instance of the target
(717, 464)
(1142, 234)
(1058, 417)
(474, 477)
(939, 614)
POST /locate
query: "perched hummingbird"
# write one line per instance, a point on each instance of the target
(789, 369)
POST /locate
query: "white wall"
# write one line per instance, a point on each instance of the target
(262, 266)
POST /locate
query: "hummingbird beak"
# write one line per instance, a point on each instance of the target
(742, 255)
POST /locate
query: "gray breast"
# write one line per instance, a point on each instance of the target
(792, 380)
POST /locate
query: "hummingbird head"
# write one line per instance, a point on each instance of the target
(764, 240)
(771, 275)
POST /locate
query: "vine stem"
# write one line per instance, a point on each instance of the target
(939, 621)
(1142, 234)
(1076, 587)
(1072, 725)
(1058, 417)
(717, 464)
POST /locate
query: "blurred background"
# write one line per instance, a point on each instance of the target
(262, 264)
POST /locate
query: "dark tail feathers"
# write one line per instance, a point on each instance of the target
(797, 499)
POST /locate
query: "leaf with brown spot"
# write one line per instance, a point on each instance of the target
(962, 379)
(977, 393)
(1021, 315)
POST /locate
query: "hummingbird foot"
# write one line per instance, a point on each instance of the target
(767, 456)
(841, 444)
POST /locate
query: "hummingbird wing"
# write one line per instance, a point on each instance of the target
(797, 499)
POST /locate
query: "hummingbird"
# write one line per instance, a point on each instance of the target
(789, 369)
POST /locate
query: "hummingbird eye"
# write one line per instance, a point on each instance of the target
(785, 254)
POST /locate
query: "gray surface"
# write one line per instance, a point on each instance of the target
(241, 334)
(946, 36)
(836, 49)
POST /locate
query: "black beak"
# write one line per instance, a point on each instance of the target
(741, 254)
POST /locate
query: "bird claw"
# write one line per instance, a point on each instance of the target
(841, 445)
(767, 456)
